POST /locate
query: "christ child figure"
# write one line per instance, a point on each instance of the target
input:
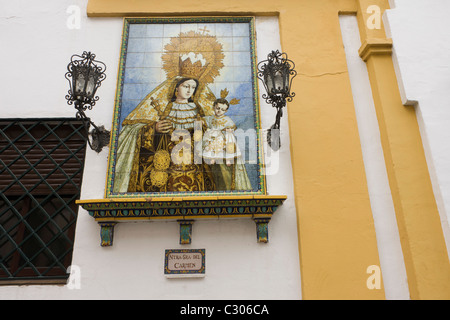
(219, 142)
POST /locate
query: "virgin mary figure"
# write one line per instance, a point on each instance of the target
(159, 132)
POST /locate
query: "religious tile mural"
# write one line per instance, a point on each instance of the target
(186, 119)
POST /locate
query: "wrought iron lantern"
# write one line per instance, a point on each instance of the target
(85, 75)
(276, 73)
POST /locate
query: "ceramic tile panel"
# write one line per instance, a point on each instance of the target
(172, 71)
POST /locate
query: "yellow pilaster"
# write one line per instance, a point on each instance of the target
(336, 232)
(420, 229)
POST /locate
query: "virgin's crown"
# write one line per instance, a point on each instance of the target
(192, 65)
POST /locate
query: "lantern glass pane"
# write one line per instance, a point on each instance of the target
(278, 80)
(90, 87)
(269, 82)
(79, 83)
(286, 76)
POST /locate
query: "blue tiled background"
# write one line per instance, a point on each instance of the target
(143, 69)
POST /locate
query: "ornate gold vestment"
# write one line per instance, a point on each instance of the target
(144, 160)
(166, 162)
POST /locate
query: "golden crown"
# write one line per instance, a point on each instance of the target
(224, 93)
(194, 55)
(187, 68)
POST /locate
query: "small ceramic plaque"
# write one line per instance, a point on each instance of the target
(184, 263)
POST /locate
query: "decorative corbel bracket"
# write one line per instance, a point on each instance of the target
(107, 233)
(108, 212)
(375, 46)
(262, 229)
(186, 231)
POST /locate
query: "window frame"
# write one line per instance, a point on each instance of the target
(42, 164)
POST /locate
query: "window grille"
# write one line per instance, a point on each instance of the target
(41, 168)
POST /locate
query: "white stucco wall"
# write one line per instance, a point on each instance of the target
(420, 31)
(36, 47)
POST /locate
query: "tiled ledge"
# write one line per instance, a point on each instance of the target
(108, 212)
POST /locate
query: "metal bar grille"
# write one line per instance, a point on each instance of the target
(41, 167)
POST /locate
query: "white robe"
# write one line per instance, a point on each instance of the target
(219, 144)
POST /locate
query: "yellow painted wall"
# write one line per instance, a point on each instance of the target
(336, 231)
